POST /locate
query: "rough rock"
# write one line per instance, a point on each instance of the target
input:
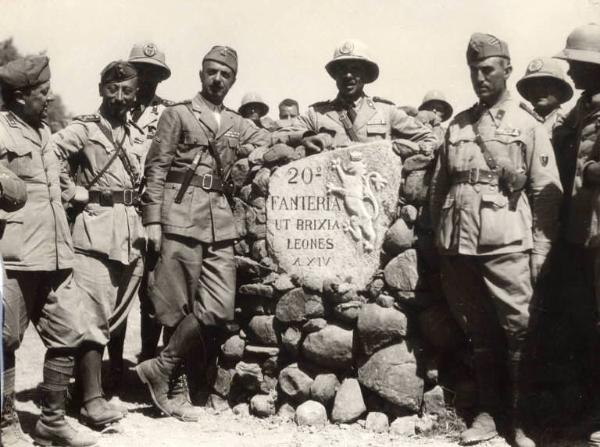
(347, 312)
(249, 375)
(314, 325)
(409, 214)
(268, 385)
(375, 288)
(324, 387)
(377, 422)
(336, 292)
(295, 383)
(308, 211)
(415, 187)
(217, 403)
(239, 172)
(434, 401)
(385, 300)
(401, 272)
(233, 348)
(256, 156)
(272, 365)
(311, 413)
(424, 425)
(286, 411)
(260, 182)
(313, 305)
(283, 283)
(392, 373)
(290, 340)
(404, 426)
(291, 306)
(259, 250)
(348, 404)
(279, 154)
(439, 328)
(262, 405)
(330, 347)
(239, 214)
(241, 409)
(378, 327)
(261, 351)
(222, 381)
(398, 238)
(261, 330)
(312, 283)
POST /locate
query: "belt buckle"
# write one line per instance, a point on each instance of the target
(105, 198)
(128, 197)
(474, 175)
(210, 183)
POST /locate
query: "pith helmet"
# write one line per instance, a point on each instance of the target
(544, 68)
(437, 96)
(583, 45)
(353, 50)
(254, 98)
(148, 53)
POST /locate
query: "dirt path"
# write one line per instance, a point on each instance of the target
(143, 427)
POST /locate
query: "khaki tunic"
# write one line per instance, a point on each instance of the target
(202, 215)
(116, 231)
(376, 119)
(475, 219)
(36, 236)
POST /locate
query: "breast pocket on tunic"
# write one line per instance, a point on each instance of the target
(499, 225)
(20, 160)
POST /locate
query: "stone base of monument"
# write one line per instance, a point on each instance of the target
(339, 307)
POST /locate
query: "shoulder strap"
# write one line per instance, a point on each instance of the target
(348, 126)
(489, 158)
(211, 145)
(120, 152)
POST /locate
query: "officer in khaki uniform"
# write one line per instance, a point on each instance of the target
(578, 137)
(188, 218)
(353, 117)
(495, 197)
(152, 68)
(37, 252)
(108, 234)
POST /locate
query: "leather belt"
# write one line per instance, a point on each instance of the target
(210, 182)
(475, 175)
(128, 197)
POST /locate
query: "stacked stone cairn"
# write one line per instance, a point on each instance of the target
(317, 350)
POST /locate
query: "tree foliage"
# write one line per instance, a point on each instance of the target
(57, 113)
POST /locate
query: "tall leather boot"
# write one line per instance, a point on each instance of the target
(95, 411)
(487, 374)
(11, 434)
(157, 372)
(52, 428)
(516, 386)
(115, 355)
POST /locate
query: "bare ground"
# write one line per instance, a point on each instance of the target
(145, 427)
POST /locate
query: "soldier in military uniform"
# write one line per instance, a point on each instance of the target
(495, 197)
(353, 116)
(578, 138)
(255, 109)
(38, 257)
(188, 218)
(150, 63)
(108, 235)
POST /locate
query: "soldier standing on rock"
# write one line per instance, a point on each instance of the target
(581, 140)
(354, 117)
(108, 235)
(150, 63)
(38, 257)
(189, 220)
(495, 198)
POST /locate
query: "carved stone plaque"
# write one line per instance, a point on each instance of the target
(327, 213)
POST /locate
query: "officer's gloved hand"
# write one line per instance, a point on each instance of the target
(317, 143)
(591, 175)
(154, 233)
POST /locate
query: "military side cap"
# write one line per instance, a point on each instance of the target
(117, 71)
(435, 99)
(481, 46)
(224, 55)
(254, 98)
(25, 72)
(583, 45)
(541, 69)
(148, 53)
(353, 50)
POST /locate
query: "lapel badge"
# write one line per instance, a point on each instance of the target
(544, 160)
(149, 50)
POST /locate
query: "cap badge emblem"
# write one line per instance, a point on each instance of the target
(535, 65)
(149, 50)
(347, 48)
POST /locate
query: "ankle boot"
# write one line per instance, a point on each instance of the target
(179, 397)
(11, 434)
(155, 373)
(482, 429)
(95, 411)
(52, 428)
